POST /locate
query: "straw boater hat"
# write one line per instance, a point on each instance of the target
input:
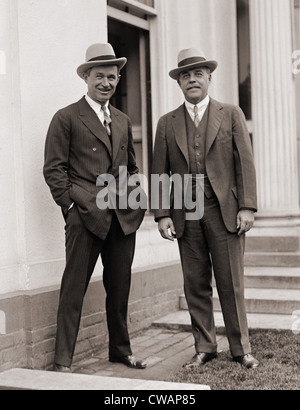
(100, 54)
(191, 58)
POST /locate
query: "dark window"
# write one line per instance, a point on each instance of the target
(133, 94)
(244, 57)
(297, 24)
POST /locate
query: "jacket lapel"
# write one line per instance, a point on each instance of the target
(89, 118)
(214, 122)
(117, 130)
(179, 128)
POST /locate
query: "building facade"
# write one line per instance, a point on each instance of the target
(42, 42)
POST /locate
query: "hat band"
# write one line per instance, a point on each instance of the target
(109, 57)
(191, 60)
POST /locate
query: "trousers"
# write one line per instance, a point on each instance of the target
(82, 252)
(206, 247)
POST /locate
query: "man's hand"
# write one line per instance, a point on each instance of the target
(164, 225)
(245, 221)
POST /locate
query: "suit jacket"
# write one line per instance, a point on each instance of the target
(228, 156)
(77, 151)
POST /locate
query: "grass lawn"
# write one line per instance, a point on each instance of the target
(279, 356)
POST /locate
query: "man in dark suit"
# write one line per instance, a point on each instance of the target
(90, 143)
(206, 138)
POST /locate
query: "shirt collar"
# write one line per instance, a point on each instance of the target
(201, 106)
(95, 105)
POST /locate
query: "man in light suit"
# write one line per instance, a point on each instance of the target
(207, 138)
(87, 143)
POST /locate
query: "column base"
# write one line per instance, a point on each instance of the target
(277, 219)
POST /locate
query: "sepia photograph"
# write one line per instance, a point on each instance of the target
(150, 197)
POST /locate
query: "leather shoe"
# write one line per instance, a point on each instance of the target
(200, 359)
(61, 369)
(129, 361)
(247, 361)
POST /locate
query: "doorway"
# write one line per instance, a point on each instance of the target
(133, 95)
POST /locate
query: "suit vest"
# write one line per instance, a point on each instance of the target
(197, 143)
(196, 138)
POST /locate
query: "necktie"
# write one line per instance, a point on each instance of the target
(107, 120)
(197, 118)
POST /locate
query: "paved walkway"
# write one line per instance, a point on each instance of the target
(169, 346)
(166, 348)
(165, 351)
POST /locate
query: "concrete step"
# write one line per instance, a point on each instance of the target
(181, 320)
(272, 277)
(272, 259)
(24, 379)
(276, 301)
(287, 243)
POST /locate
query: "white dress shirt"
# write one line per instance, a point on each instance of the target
(97, 108)
(202, 106)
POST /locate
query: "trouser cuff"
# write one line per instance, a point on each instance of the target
(206, 348)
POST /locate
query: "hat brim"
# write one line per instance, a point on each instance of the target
(120, 62)
(212, 65)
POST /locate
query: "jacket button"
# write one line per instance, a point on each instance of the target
(123, 147)
(94, 149)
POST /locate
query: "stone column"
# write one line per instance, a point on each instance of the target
(274, 112)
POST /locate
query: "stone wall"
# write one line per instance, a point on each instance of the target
(30, 330)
